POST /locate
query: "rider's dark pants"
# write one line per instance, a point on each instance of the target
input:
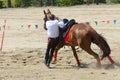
(52, 43)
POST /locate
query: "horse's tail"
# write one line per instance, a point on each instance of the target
(100, 41)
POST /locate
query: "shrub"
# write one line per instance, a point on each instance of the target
(35, 2)
(25, 3)
(112, 1)
(67, 2)
(1, 4)
(14, 3)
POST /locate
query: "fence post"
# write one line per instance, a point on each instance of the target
(3, 34)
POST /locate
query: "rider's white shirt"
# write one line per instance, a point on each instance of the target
(61, 24)
(53, 28)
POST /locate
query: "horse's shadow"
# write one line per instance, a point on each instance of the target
(70, 66)
(106, 66)
(111, 66)
(66, 66)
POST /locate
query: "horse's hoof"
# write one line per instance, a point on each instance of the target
(54, 62)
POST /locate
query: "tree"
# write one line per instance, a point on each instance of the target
(1, 5)
(67, 2)
(9, 3)
(25, 3)
(97, 2)
(37, 3)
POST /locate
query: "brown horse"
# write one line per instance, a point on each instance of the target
(82, 35)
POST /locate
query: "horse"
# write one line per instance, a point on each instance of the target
(83, 35)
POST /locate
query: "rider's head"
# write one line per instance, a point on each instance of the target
(51, 16)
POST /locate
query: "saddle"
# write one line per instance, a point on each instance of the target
(63, 31)
(67, 27)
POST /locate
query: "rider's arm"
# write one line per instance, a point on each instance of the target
(61, 24)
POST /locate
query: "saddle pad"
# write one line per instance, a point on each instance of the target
(67, 36)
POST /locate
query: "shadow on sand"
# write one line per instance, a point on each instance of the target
(87, 66)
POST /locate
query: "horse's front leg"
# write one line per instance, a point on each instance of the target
(75, 55)
(55, 56)
(60, 45)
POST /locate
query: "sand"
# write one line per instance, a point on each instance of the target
(24, 49)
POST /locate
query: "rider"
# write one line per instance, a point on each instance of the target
(52, 25)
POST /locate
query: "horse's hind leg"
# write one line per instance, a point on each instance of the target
(87, 48)
(75, 55)
(111, 60)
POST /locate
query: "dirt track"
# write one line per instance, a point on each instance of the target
(23, 50)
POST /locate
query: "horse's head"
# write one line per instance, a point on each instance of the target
(48, 16)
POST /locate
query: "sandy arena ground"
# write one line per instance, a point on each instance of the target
(24, 49)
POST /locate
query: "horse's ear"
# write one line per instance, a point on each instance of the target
(44, 12)
(49, 11)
